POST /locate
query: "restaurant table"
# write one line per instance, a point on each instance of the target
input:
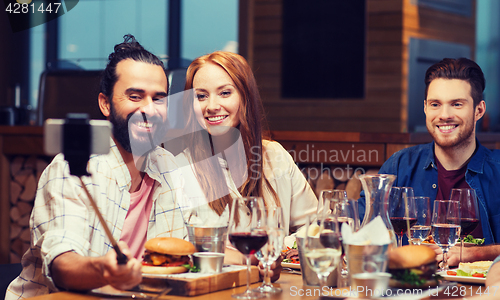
(290, 283)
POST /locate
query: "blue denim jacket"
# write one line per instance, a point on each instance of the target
(415, 167)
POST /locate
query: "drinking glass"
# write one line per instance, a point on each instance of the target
(402, 212)
(247, 233)
(421, 229)
(323, 195)
(272, 250)
(323, 252)
(345, 214)
(333, 196)
(469, 212)
(354, 205)
(445, 228)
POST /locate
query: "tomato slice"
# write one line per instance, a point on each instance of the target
(480, 275)
(453, 273)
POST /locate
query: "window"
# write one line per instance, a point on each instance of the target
(86, 34)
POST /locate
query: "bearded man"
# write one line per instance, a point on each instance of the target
(135, 186)
(455, 159)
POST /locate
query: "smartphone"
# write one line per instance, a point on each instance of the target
(53, 136)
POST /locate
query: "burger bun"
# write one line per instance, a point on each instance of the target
(163, 270)
(170, 245)
(411, 256)
(412, 266)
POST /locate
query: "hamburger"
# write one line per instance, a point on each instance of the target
(412, 267)
(166, 255)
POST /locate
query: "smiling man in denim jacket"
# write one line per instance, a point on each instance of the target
(455, 159)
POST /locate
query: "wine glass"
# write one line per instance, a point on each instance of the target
(402, 212)
(272, 250)
(354, 205)
(323, 195)
(445, 228)
(469, 212)
(247, 233)
(345, 214)
(421, 229)
(333, 196)
(323, 252)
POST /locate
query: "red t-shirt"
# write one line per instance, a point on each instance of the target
(447, 180)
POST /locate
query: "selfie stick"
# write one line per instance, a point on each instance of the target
(77, 142)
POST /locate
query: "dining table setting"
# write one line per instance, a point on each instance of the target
(291, 284)
(335, 255)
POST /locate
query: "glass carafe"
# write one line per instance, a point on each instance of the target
(377, 188)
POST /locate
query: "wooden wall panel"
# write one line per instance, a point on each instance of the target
(390, 24)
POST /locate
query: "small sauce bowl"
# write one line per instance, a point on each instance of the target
(209, 262)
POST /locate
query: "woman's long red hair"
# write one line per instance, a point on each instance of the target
(251, 116)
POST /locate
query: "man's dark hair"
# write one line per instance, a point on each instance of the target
(460, 68)
(129, 49)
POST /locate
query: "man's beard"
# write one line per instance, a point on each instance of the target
(461, 140)
(120, 128)
(121, 132)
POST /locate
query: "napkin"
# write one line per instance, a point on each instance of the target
(373, 233)
(313, 231)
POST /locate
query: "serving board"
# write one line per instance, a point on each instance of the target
(192, 284)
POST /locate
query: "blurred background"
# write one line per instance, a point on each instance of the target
(321, 65)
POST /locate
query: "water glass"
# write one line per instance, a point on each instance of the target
(272, 250)
(421, 229)
(445, 228)
(323, 257)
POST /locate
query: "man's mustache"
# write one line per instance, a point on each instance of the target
(138, 116)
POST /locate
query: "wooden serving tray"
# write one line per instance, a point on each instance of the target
(192, 284)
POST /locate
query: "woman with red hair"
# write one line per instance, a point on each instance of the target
(227, 154)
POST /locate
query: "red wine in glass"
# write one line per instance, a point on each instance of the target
(248, 243)
(468, 225)
(400, 225)
(469, 211)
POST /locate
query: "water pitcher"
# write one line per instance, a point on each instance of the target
(377, 188)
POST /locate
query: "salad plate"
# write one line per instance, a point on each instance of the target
(463, 279)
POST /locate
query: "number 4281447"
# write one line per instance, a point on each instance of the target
(25, 8)
(463, 291)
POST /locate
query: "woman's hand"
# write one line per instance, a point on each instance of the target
(275, 270)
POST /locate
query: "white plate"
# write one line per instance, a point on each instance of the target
(464, 279)
(290, 265)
